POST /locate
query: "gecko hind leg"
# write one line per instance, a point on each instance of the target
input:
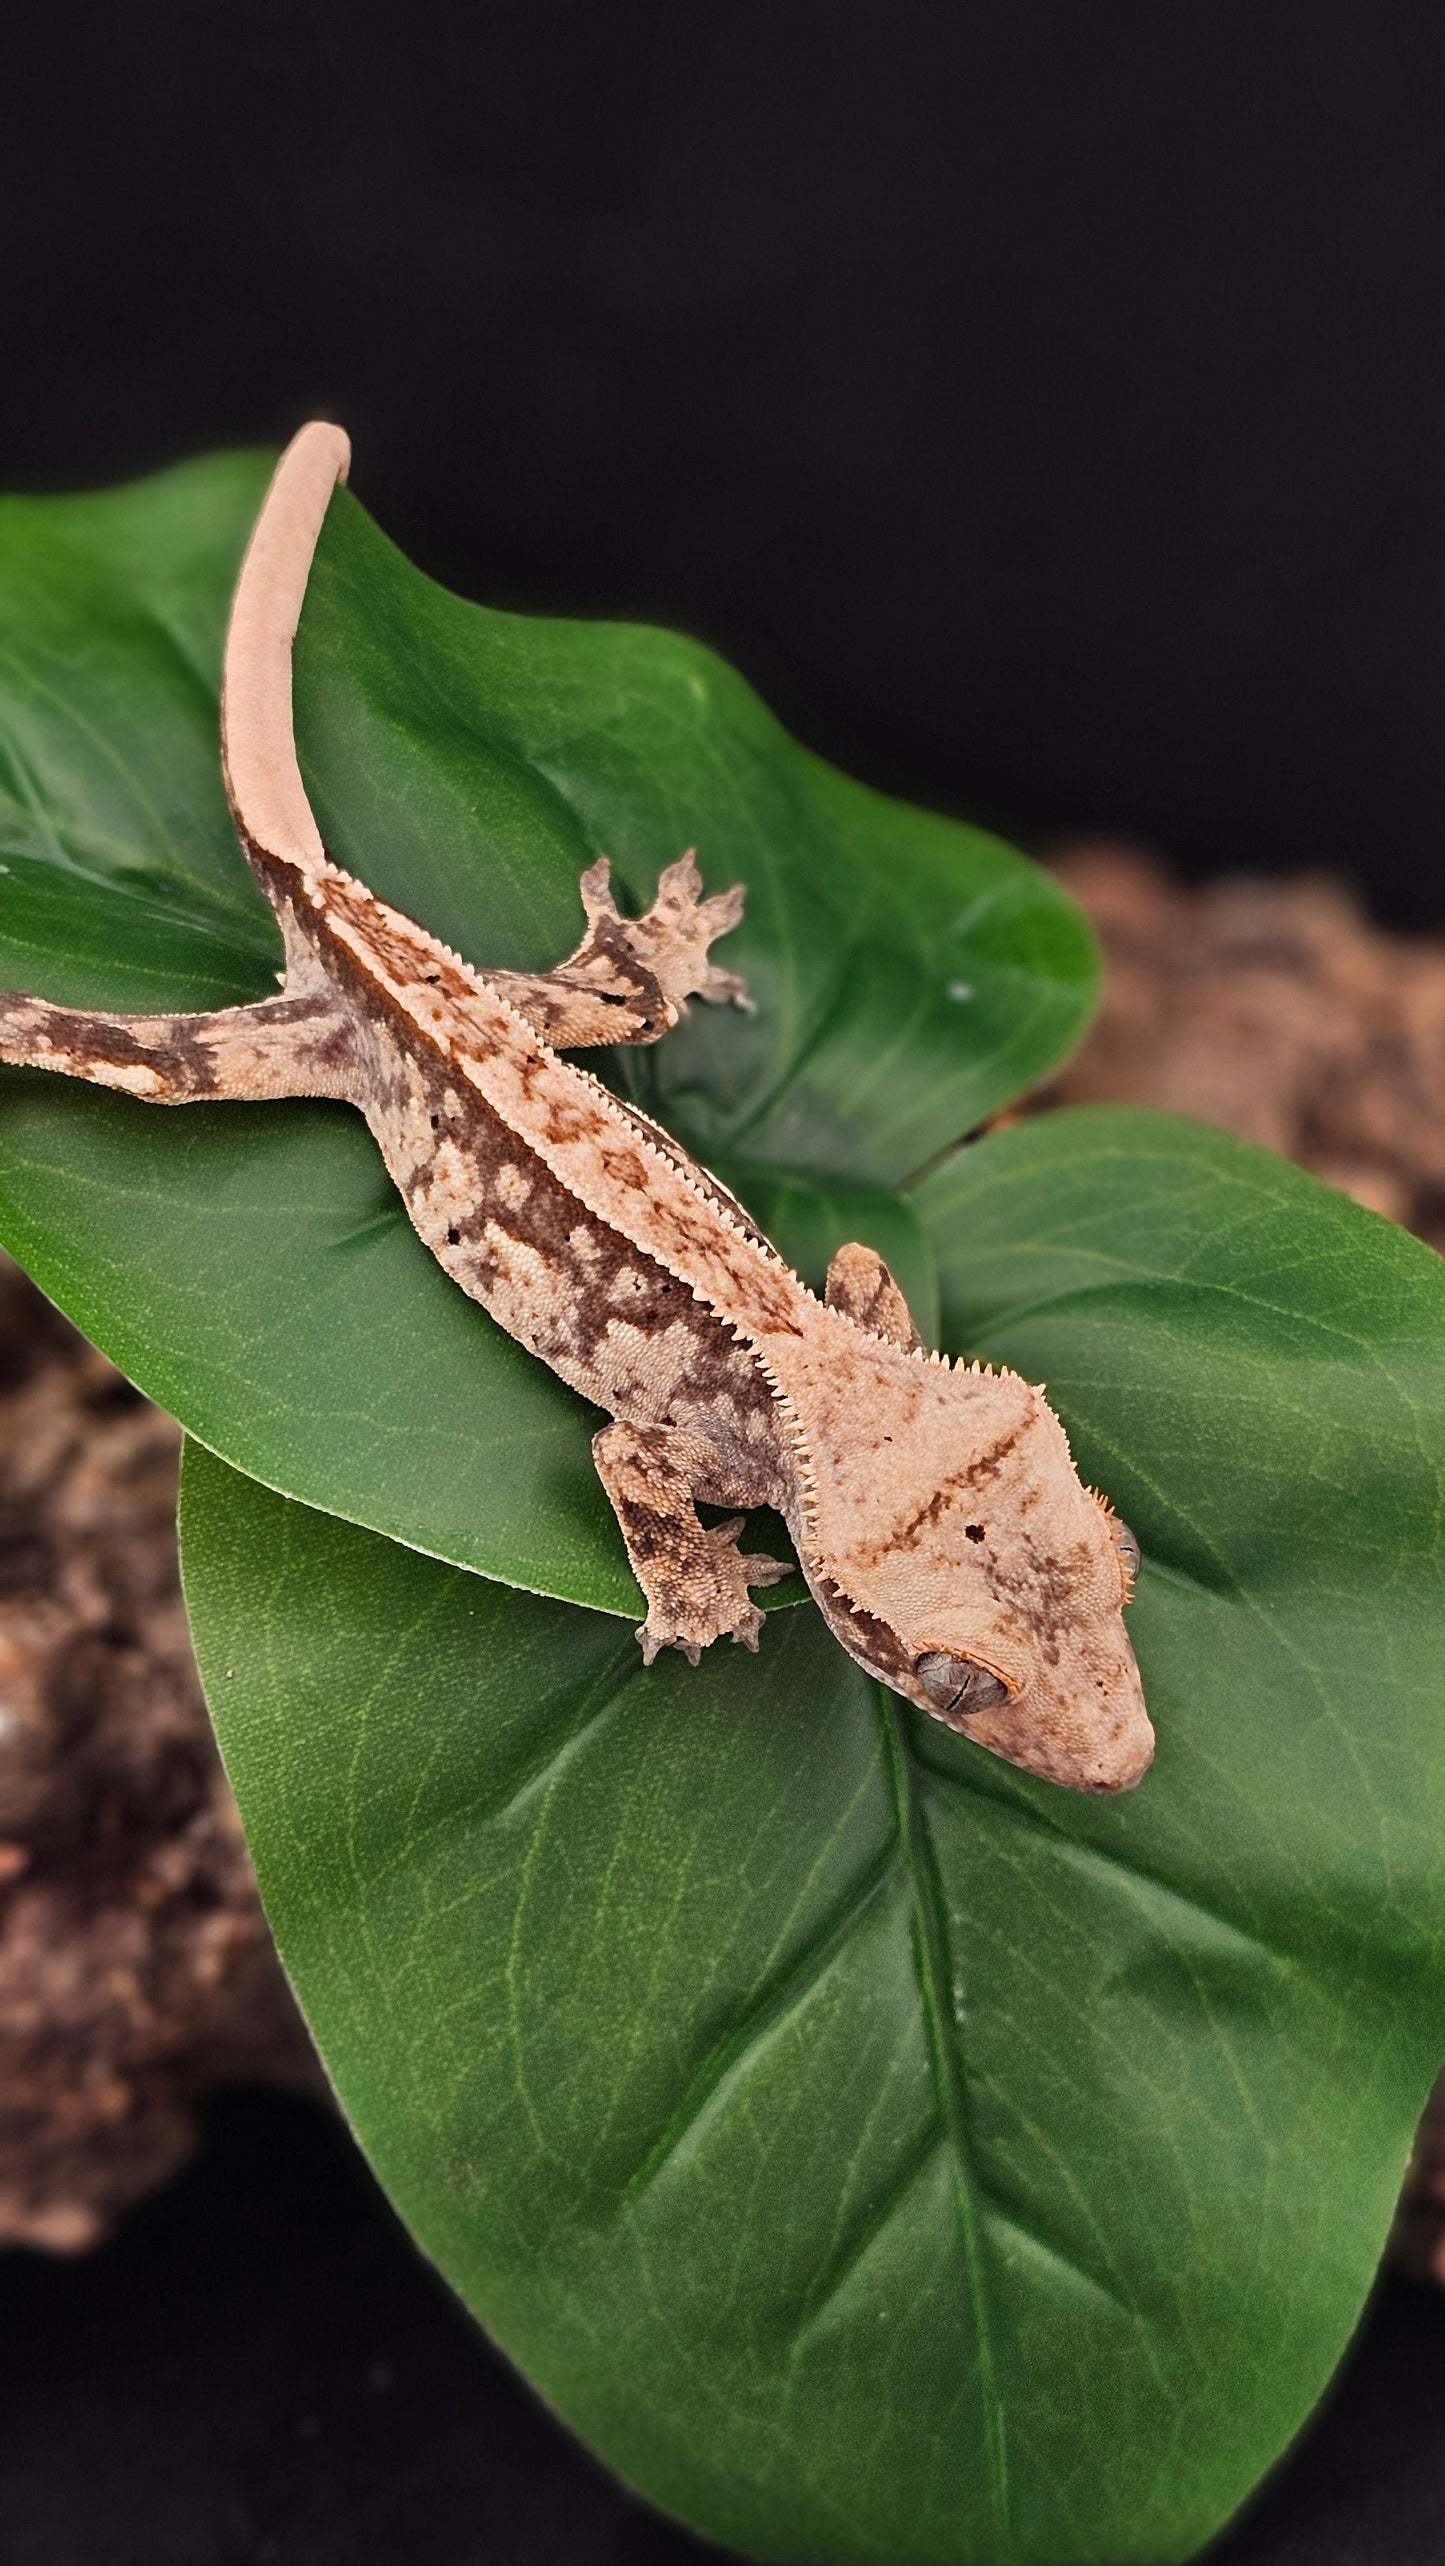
(695, 1579)
(630, 978)
(288, 1046)
(864, 1289)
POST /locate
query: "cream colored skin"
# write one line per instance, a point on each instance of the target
(937, 1514)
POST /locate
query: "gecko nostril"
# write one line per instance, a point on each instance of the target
(973, 1532)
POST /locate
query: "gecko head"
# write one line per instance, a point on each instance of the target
(987, 1585)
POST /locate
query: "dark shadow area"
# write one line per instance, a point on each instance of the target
(1043, 405)
(1365, 2483)
(261, 2368)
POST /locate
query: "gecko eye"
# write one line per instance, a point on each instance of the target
(956, 1685)
(1128, 1550)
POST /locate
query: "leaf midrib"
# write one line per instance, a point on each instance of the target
(932, 1965)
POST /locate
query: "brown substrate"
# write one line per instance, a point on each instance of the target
(135, 1967)
(1277, 1010)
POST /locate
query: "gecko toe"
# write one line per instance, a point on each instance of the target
(596, 889)
(725, 988)
(720, 913)
(679, 883)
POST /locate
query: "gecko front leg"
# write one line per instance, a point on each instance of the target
(695, 1579)
(630, 978)
(287, 1046)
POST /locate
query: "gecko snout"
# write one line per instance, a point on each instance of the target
(1091, 1733)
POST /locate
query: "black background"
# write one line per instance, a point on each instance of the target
(1043, 404)
(261, 2371)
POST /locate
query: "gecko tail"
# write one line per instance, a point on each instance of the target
(274, 820)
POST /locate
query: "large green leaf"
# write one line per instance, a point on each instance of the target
(123, 883)
(878, 2154)
(250, 1268)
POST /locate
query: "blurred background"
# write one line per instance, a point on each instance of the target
(1045, 407)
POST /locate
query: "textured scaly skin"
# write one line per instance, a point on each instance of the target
(935, 1508)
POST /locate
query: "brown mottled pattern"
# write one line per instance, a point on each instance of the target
(590, 1235)
(702, 1177)
(860, 1285)
(696, 1580)
(606, 1315)
(571, 1121)
(877, 1648)
(935, 1508)
(183, 1060)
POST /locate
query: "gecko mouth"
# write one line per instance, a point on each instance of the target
(957, 1686)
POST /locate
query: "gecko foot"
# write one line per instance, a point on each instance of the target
(694, 1600)
(673, 937)
(694, 1576)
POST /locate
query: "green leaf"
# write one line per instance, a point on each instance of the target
(371, 1378)
(123, 883)
(250, 1268)
(877, 2154)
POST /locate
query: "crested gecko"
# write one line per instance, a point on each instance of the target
(938, 1518)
